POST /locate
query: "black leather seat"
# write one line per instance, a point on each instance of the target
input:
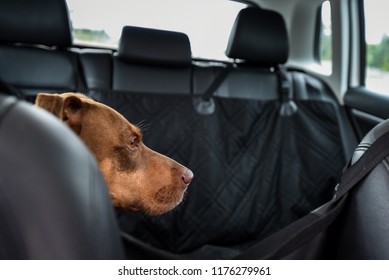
(364, 226)
(53, 199)
(34, 41)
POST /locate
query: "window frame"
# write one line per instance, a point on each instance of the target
(316, 44)
(362, 41)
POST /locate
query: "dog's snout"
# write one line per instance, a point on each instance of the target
(187, 177)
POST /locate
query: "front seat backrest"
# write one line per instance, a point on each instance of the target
(53, 199)
(364, 223)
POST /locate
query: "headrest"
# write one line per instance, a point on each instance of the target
(43, 22)
(259, 36)
(152, 46)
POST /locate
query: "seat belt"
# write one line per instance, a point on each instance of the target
(356, 172)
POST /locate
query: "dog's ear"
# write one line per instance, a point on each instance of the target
(67, 108)
(72, 113)
(51, 102)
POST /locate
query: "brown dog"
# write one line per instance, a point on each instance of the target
(138, 178)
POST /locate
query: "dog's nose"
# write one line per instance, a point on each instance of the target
(187, 177)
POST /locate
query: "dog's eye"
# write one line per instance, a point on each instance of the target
(134, 142)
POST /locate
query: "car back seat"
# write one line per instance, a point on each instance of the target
(267, 155)
(34, 54)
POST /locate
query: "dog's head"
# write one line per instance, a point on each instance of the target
(138, 178)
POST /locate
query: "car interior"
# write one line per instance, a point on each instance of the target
(266, 139)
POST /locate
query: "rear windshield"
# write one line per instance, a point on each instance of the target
(208, 23)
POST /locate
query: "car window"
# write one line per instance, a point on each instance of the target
(208, 23)
(377, 45)
(325, 43)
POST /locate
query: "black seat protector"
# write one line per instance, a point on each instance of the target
(255, 170)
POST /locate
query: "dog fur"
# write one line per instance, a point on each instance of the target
(138, 178)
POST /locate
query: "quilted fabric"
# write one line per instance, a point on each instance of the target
(255, 171)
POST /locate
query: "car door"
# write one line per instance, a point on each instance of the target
(367, 97)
